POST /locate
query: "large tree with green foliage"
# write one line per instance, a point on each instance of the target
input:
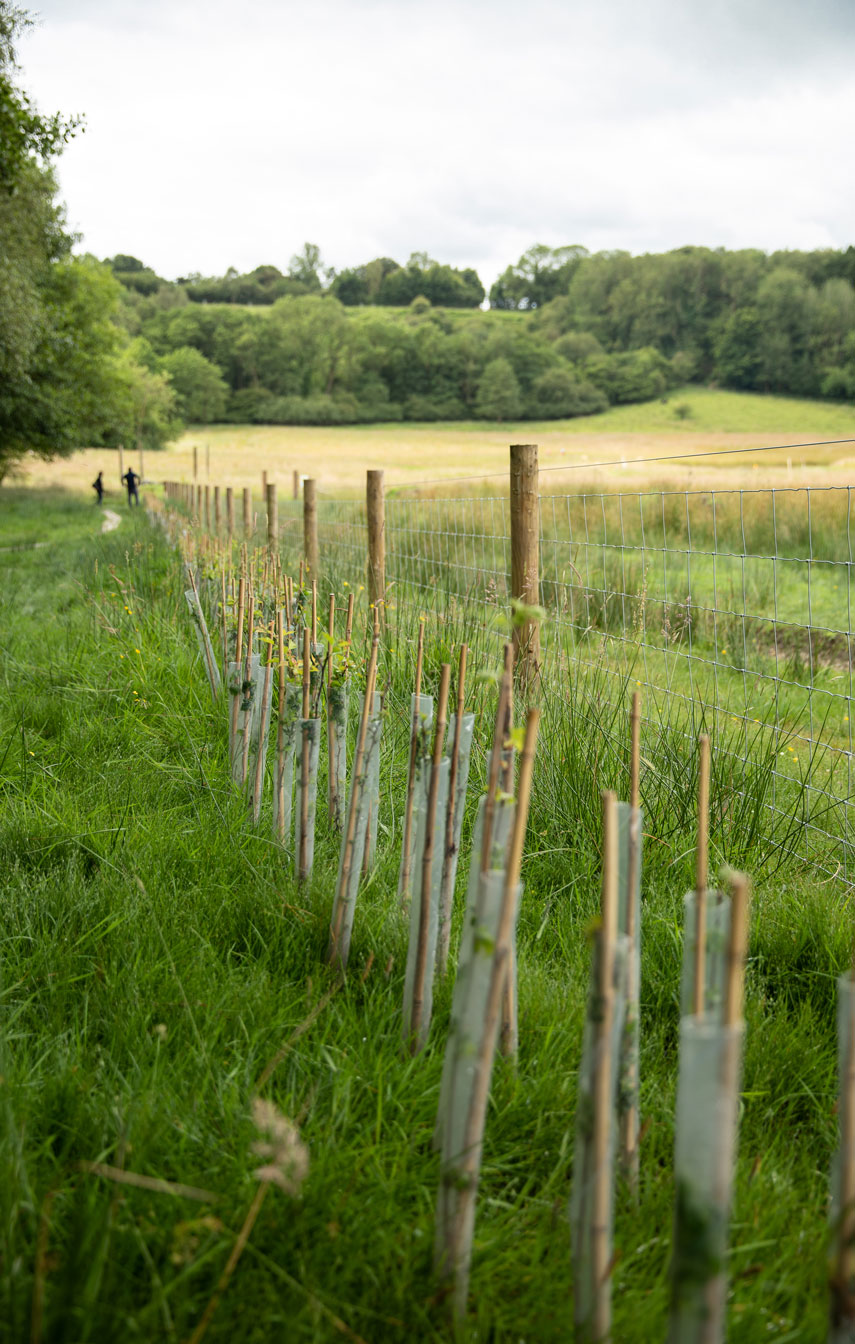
(67, 374)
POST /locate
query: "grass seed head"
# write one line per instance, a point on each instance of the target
(287, 1163)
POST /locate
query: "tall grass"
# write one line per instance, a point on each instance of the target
(156, 955)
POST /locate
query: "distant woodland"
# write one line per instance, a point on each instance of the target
(567, 333)
(101, 353)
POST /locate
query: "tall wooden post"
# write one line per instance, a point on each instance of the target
(199, 503)
(264, 485)
(142, 462)
(217, 513)
(121, 462)
(272, 517)
(247, 511)
(207, 508)
(230, 512)
(296, 486)
(310, 526)
(375, 502)
(525, 555)
(195, 462)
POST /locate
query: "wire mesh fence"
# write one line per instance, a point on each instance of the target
(730, 609)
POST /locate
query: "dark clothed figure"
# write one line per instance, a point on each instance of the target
(130, 479)
(98, 487)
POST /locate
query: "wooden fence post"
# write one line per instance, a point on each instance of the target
(247, 511)
(264, 485)
(525, 555)
(310, 526)
(217, 510)
(121, 462)
(296, 486)
(195, 462)
(272, 516)
(207, 508)
(230, 512)
(375, 502)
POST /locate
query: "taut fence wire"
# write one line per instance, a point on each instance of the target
(730, 609)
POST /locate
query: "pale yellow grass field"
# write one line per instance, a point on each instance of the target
(432, 454)
(339, 457)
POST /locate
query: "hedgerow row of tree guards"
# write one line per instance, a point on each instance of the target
(271, 644)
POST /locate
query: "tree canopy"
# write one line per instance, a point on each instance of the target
(68, 374)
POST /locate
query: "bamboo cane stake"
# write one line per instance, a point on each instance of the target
(225, 632)
(304, 780)
(628, 1138)
(236, 696)
(495, 767)
(350, 833)
(509, 1037)
(447, 893)
(736, 949)
(331, 781)
(247, 722)
(280, 731)
(507, 728)
(603, 1100)
(314, 611)
(427, 859)
(411, 778)
(348, 627)
(635, 749)
(701, 865)
(262, 730)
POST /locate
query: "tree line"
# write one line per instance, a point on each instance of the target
(568, 334)
(69, 371)
(101, 353)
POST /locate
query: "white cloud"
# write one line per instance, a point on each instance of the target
(219, 136)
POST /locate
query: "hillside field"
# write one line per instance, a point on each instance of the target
(692, 420)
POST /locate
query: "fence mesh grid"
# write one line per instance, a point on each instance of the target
(730, 609)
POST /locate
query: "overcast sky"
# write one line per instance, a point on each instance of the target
(222, 134)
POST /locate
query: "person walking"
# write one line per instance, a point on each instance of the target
(130, 479)
(98, 487)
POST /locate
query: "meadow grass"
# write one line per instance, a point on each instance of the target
(156, 954)
(338, 457)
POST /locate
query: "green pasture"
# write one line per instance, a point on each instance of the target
(155, 954)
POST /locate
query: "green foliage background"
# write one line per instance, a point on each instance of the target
(68, 369)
